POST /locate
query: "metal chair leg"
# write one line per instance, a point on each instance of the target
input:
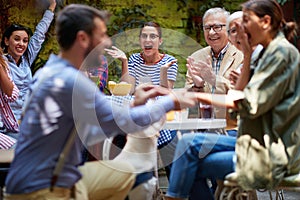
(279, 195)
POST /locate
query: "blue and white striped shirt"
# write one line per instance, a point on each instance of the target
(137, 68)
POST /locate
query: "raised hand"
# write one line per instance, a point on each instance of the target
(201, 71)
(164, 74)
(116, 53)
(247, 50)
(197, 80)
(52, 5)
(169, 64)
(242, 39)
(233, 77)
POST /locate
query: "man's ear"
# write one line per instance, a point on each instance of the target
(83, 39)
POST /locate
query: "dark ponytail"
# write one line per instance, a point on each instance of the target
(289, 29)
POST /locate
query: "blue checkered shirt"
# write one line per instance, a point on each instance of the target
(165, 137)
(216, 61)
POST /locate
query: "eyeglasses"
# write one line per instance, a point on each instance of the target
(215, 27)
(232, 31)
(151, 36)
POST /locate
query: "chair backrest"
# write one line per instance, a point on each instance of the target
(6, 156)
(140, 149)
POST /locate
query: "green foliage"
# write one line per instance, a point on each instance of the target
(128, 18)
(125, 19)
(205, 5)
(196, 9)
(5, 6)
(282, 2)
(126, 15)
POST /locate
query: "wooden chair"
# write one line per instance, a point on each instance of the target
(6, 156)
(141, 151)
(231, 190)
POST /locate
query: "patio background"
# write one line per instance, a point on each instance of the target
(180, 19)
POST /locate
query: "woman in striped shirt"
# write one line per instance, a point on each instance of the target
(150, 65)
(8, 93)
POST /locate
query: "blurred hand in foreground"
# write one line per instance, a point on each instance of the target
(144, 92)
(182, 98)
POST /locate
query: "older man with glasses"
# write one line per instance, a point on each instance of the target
(215, 62)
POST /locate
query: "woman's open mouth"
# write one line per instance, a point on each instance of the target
(148, 47)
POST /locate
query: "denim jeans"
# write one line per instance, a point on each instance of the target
(199, 157)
